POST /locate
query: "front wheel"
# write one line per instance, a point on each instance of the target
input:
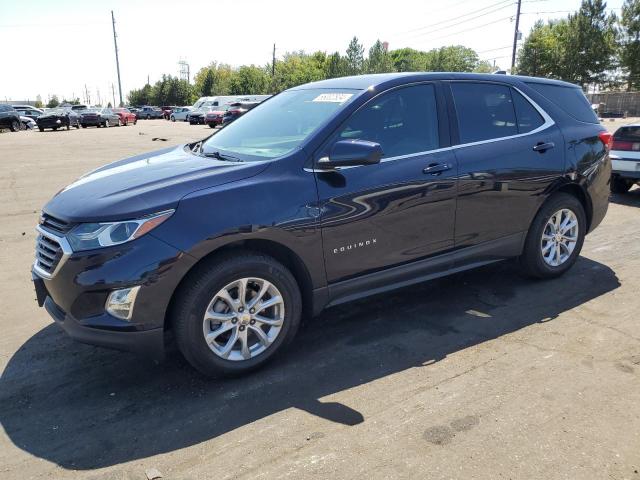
(15, 126)
(555, 237)
(236, 313)
(41, 129)
(119, 122)
(172, 118)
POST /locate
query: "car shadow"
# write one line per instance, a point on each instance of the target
(630, 199)
(84, 408)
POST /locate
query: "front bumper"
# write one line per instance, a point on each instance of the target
(146, 343)
(76, 295)
(91, 121)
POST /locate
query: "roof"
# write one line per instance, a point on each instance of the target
(361, 82)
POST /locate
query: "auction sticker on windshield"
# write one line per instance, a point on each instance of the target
(333, 97)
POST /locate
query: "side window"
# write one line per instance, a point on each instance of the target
(484, 111)
(528, 117)
(403, 121)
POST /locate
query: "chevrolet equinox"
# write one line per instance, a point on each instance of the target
(324, 193)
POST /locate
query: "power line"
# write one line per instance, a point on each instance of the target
(471, 28)
(115, 44)
(504, 3)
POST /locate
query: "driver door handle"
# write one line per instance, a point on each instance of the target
(436, 168)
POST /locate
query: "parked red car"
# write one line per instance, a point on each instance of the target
(166, 111)
(214, 117)
(126, 116)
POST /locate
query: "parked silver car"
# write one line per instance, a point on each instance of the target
(180, 114)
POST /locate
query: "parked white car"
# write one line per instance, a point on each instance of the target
(180, 114)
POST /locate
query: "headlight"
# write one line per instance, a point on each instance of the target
(88, 236)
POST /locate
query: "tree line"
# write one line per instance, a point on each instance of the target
(296, 68)
(589, 47)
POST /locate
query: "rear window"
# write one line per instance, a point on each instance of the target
(630, 134)
(569, 99)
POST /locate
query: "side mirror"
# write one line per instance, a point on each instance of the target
(348, 153)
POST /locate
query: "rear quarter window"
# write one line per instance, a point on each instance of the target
(569, 99)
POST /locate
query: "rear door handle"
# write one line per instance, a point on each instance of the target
(436, 168)
(543, 146)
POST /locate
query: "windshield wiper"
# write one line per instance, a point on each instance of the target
(221, 156)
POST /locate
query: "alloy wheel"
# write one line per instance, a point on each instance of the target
(559, 237)
(243, 319)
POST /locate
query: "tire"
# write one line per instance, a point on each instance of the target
(77, 125)
(135, 121)
(198, 295)
(83, 126)
(41, 129)
(55, 129)
(106, 124)
(148, 117)
(119, 122)
(172, 118)
(15, 125)
(620, 185)
(126, 122)
(69, 126)
(533, 260)
(212, 125)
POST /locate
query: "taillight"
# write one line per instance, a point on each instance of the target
(622, 145)
(606, 138)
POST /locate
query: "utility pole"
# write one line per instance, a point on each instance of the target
(515, 38)
(87, 97)
(115, 45)
(148, 79)
(273, 63)
(113, 93)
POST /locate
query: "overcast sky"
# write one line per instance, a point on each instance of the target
(56, 47)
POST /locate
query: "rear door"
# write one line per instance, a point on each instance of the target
(509, 151)
(402, 209)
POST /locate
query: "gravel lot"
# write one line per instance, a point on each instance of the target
(479, 375)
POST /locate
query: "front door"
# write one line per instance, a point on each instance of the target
(397, 211)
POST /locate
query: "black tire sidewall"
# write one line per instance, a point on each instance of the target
(191, 307)
(532, 255)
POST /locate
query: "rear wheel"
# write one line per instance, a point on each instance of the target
(106, 124)
(119, 122)
(15, 125)
(236, 313)
(173, 119)
(620, 185)
(41, 129)
(555, 237)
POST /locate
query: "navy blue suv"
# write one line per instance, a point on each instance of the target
(322, 194)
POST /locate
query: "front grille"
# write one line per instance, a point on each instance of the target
(54, 224)
(48, 254)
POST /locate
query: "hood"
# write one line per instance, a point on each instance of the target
(144, 184)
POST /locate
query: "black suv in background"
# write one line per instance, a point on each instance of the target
(322, 194)
(9, 118)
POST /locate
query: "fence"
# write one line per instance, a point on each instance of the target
(627, 103)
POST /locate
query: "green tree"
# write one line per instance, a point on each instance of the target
(484, 66)
(454, 58)
(336, 66)
(38, 103)
(208, 83)
(542, 52)
(250, 80)
(355, 57)
(141, 96)
(297, 68)
(630, 43)
(409, 60)
(379, 60)
(589, 44)
(53, 102)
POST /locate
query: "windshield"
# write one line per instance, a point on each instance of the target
(280, 125)
(91, 110)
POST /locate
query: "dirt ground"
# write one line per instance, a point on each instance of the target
(484, 374)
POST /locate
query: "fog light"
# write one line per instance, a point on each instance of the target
(58, 121)
(120, 302)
